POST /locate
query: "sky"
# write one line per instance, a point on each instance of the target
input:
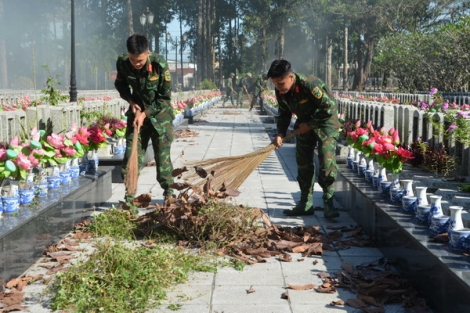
(174, 30)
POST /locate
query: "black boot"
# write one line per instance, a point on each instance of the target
(329, 210)
(303, 207)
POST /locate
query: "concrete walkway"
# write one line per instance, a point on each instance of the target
(272, 187)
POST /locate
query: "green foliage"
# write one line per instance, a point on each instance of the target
(121, 278)
(51, 95)
(435, 58)
(113, 223)
(436, 160)
(207, 85)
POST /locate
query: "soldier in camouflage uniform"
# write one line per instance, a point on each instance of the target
(317, 123)
(229, 92)
(259, 86)
(143, 79)
(244, 88)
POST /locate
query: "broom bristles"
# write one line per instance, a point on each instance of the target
(231, 171)
(132, 173)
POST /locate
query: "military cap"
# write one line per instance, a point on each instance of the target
(231, 74)
(248, 74)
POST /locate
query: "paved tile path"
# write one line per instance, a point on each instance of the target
(228, 131)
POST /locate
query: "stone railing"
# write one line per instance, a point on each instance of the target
(453, 97)
(411, 123)
(62, 116)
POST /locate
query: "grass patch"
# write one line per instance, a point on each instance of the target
(113, 223)
(121, 278)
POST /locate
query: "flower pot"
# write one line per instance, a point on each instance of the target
(422, 214)
(385, 188)
(355, 165)
(455, 221)
(439, 224)
(65, 178)
(74, 172)
(10, 204)
(41, 190)
(369, 176)
(53, 182)
(459, 239)
(26, 196)
(408, 204)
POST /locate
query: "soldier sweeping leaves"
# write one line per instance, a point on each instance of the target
(317, 124)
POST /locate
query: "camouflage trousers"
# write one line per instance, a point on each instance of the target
(229, 95)
(257, 97)
(161, 143)
(327, 172)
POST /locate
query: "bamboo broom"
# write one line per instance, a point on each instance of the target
(234, 170)
(132, 174)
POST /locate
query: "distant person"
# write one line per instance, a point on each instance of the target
(258, 87)
(229, 91)
(244, 86)
(143, 79)
(317, 123)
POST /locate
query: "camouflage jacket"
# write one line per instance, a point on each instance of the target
(149, 87)
(259, 85)
(311, 101)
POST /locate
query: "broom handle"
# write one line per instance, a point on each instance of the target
(290, 136)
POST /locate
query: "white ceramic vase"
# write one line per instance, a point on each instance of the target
(455, 221)
(436, 207)
(407, 187)
(421, 195)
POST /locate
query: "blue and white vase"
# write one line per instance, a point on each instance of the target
(74, 168)
(40, 189)
(422, 214)
(408, 204)
(65, 178)
(455, 220)
(93, 162)
(421, 195)
(26, 196)
(10, 204)
(395, 189)
(351, 157)
(459, 239)
(439, 224)
(436, 207)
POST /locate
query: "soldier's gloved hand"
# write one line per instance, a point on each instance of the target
(302, 129)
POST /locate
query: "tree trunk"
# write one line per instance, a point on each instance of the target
(199, 42)
(3, 51)
(130, 22)
(329, 52)
(345, 64)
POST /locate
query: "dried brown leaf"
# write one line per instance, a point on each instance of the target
(177, 172)
(285, 257)
(337, 302)
(14, 307)
(250, 290)
(232, 192)
(200, 171)
(301, 287)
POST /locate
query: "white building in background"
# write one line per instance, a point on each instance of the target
(188, 71)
